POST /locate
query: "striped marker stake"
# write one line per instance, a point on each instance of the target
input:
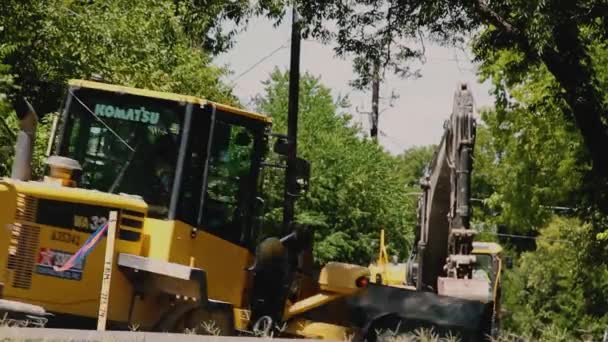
(107, 274)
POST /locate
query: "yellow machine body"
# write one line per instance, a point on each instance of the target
(45, 222)
(30, 278)
(385, 272)
(488, 254)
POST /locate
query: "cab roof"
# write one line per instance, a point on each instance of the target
(166, 96)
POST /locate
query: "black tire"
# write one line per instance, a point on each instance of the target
(206, 322)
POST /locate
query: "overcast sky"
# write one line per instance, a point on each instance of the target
(416, 117)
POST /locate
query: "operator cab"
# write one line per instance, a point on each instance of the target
(488, 261)
(189, 159)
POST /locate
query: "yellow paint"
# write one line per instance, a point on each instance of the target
(8, 198)
(391, 274)
(136, 91)
(241, 318)
(310, 303)
(341, 278)
(79, 195)
(77, 297)
(225, 264)
(383, 257)
(319, 330)
(167, 96)
(242, 112)
(497, 283)
(159, 236)
(486, 248)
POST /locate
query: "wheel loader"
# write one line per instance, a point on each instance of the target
(183, 175)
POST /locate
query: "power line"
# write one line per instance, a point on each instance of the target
(529, 237)
(260, 61)
(396, 142)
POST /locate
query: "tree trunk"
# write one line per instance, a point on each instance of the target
(571, 65)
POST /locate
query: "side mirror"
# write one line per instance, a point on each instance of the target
(281, 146)
(303, 174)
(509, 262)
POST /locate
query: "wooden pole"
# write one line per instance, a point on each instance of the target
(291, 183)
(107, 273)
(375, 102)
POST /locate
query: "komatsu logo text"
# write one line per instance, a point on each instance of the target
(130, 114)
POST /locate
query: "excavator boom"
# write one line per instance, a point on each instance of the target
(440, 291)
(443, 261)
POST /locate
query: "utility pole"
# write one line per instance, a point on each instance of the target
(375, 100)
(292, 122)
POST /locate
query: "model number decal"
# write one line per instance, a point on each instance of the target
(90, 223)
(48, 258)
(66, 237)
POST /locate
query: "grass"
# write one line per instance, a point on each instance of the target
(550, 335)
(212, 329)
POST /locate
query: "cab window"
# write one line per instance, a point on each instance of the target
(229, 180)
(125, 144)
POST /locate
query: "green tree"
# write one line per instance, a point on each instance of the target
(357, 188)
(7, 123)
(134, 43)
(139, 43)
(547, 287)
(414, 162)
(529, 161)
(555, 34)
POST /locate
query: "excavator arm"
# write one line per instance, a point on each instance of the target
(442, 261)
(446, 297)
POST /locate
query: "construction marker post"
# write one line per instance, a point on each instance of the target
(107, 273)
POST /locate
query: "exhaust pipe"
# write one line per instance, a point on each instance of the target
(24, 148)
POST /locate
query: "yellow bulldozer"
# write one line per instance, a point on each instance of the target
(183, 174)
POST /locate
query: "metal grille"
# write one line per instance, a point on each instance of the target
(22, 253)
(23, 246)
(27, 206)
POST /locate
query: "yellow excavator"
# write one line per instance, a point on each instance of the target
(460, 277)
(488, 267)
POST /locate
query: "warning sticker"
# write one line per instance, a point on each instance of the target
(47, 258)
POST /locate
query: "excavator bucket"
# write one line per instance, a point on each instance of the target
(380, 308)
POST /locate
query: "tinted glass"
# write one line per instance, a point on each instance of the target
(125, 144)
(231, 181)
(484, 268)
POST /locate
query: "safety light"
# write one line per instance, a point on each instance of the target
(362, 281)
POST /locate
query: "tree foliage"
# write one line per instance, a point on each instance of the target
(414, 162)
(134, 43)
(548, 287)
(357, 188)
(530, 165)
(528, 159)
(557, 35)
